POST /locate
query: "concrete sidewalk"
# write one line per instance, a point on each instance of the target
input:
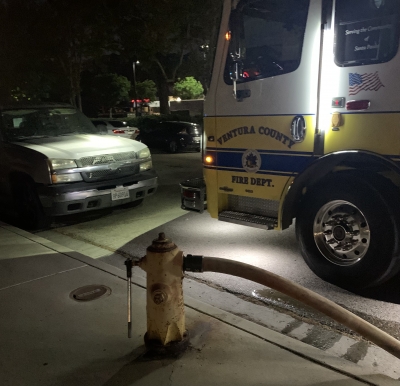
(49, 338)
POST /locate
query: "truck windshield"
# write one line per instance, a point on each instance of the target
(267, 37)
(366, 31)
(21, 124)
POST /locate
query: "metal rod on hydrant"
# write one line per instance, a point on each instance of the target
(165, 308)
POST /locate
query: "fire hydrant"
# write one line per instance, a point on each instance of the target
(165, 307)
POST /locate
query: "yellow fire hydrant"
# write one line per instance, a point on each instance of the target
(165, 307)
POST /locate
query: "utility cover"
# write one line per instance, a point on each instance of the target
(90, 292)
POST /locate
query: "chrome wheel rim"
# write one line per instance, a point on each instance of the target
(341, 233)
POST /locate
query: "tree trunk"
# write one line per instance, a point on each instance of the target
(79, 98)
(163, 94)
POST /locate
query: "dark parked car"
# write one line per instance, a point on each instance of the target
(172, 136)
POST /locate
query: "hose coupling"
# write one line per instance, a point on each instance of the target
(193, 263)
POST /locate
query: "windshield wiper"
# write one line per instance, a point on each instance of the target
(76, 132)
(30, 137)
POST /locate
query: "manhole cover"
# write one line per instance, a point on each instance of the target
(90, 292)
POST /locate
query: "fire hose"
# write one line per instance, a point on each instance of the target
(310, 298)
(165, 265)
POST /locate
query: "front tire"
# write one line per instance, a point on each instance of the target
(347, 233)
(172, 147)
(28, 206)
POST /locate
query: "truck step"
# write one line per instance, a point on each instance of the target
(252, 220)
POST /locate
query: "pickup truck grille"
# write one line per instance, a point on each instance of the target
(110, 173)
(106, 159)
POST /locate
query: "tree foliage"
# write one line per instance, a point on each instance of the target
(20, 66)
(188, 88)
(168, 34)
(146, 90)
(49, 44)
(74, 34)
(109, 89)
(52, 40)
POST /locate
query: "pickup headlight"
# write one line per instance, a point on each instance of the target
(146, 166)
(143, 154)
(62, 164)
(70, 177)
(57, 164)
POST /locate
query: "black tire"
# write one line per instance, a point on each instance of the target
(28, 206)
(172, 147)
(349, 214)
(198, 149)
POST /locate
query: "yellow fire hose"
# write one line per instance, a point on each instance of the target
(310, 298)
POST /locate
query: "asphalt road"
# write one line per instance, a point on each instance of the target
(125, 232)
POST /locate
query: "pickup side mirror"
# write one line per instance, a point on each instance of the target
(236, 44)
(102, 128)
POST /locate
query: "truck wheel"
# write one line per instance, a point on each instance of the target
(28, 206)
(172, 147)
(348, 235)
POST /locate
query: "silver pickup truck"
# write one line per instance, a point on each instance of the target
(54, 162)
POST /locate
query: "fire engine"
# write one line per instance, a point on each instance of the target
(302, 125)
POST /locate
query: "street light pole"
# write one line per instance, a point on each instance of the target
(134, 85)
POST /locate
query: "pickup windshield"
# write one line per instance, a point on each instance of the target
(23, 124)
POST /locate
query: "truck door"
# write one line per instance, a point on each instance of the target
(360, 78)
(265, 106)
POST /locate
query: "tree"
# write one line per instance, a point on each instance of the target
(166, 34)
(146, 90)
(188, 88)
(49, 44)
(23, 73)
(107, 90)
(75, 33)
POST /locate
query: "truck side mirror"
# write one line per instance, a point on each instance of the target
(236, 71)
(236, 26)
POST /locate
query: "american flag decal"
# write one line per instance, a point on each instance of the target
(366, 82)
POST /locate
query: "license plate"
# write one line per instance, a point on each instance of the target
(119, 194)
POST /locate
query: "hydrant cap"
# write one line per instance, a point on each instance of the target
(162, 244)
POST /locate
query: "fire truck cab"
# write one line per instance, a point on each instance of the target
(302, 121)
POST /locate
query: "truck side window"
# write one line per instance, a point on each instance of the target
(366, 31)
(271, 37)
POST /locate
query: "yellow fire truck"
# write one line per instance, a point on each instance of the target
(302, 121)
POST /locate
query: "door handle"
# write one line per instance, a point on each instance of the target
(226, 189)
